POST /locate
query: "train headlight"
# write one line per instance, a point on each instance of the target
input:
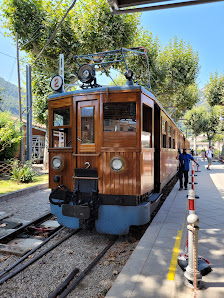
(117, 164)
(57, 163)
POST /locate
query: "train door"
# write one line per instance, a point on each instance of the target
(87, 127)
(157, 144)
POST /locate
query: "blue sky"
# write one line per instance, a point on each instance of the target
(201, 25)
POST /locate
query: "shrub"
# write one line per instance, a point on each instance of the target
(22, 172)
(10, 136)
(216, 153)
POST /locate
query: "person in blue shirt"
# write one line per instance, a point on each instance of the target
(184, 161)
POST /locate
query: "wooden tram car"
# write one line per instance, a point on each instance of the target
(112, 150)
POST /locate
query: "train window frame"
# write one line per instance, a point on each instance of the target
(164, 129)
(67, 129)
(87, 127)
(58, 109)
(116, 127)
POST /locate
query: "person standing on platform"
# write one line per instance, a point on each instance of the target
(209, 153)
(184, 160)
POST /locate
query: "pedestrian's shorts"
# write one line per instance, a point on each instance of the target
(209, 160)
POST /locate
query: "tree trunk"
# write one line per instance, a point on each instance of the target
(46, 154)
(195, 139)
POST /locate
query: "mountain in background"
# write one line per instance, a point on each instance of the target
(9, 97)
(203, 100)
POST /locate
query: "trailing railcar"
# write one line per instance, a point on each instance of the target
(112, 150)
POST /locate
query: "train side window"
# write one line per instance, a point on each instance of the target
(173, 138)
(119, 116)
(61, 137)
(61, 117)
(164, 141)
(170, 142)
(146, 137)
(164, 129)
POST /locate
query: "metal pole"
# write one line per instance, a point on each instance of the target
(192, 274)
(61, 69)
(19, 95)
(28, 113)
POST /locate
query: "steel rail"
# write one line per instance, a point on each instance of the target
(57, 231)
(84, 272)
(63, 285)
(10, 275)
(6, 238)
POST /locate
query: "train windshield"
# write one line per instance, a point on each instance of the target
(61, 117)
(119, 116)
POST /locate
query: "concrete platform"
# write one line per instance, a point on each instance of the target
(152, 269)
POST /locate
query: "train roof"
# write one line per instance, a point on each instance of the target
(112, 88)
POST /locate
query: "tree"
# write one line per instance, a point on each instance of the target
(10, 136)
(89, 27)
(211, 123)
(173, 71)
(214, 90)
(195, 120)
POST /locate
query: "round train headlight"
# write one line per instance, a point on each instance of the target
(117, 164)
(57, 163)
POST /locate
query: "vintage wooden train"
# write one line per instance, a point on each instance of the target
(112, 150)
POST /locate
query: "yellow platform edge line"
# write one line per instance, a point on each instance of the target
(176, 248)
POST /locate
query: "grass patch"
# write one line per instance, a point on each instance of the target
(10, 185)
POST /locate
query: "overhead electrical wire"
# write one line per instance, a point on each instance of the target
(55, 31)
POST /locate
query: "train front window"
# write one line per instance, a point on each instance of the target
(87, 125)
(61, 117)
(61, 137)
(119, 116)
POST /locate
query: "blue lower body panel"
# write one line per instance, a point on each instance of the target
(116, 220)
(112, 219)
(66, 221)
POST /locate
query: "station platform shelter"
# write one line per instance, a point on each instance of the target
(152, 269)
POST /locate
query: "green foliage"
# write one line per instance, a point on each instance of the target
(179, 65)
(214, 90)
(10, 136)
(91, 27)
(22, 172)
(216, 153)
(194, 119)
(210, 123)
(207, 120)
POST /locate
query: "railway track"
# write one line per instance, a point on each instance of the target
(4, 276)
(63, 289)
(28, 228)
(72, 280)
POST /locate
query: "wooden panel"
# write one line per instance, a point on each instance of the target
(168, 166)
(119, 139)
(147, 170)
(124, 183)
(81, 160)
(62, 102)
(66, 173)
(120, 96)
